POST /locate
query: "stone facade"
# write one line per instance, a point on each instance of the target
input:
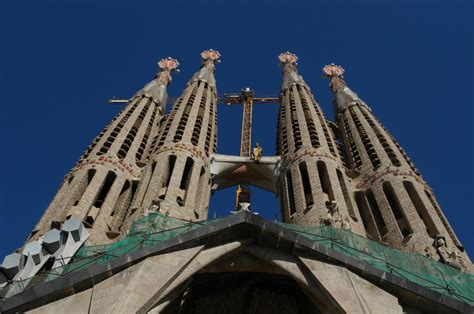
(396, 205)
(177, 180)
(350, 174)
(353, 174)
(314, 185)
(239, 264)
(100, 187)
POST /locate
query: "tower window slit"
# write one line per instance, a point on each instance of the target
(368, 220)
(188, 167)
(127, 205)
(420, 208)
(295, 124)
(394, 203)
(120, 204)
(309, 120)
(171, 163)
(325, 180)
(200, 189)
(109, 180)
(138, 155)
(131, 134)
(185, 179)
(347, 197)
(365, 139)
(291, 194)
(375, 211)
(351, 143)
(306, 184)
(105, 148)
(386, 146)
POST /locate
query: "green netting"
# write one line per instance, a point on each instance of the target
(413, 267)
(157, 227)
(144, 232)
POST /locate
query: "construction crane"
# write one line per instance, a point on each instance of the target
(247, 99)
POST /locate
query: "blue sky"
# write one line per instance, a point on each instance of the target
(411, 61)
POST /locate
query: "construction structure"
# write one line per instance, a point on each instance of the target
(128, 230)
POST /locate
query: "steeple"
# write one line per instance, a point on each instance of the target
(206, 72)
(99, 188)
(156, 89)
(343, 95)
(313, 181)
(396, 205)
(288, 62)
(177, 179)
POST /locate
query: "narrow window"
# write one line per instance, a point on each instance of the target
(367, 219)
(185, 178)
(200, 189)
(392, 199)
(345, 192)
(325, 181)
(171, 162)
(109, 180)
(375, 210)
(188, 167)
(420, 208)
(291, 195)
(306, 184)
(100, 199)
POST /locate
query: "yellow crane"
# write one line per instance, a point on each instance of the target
(247, 99)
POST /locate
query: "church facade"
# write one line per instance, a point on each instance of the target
(128, 230)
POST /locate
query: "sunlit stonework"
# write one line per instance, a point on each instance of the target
(128, 230)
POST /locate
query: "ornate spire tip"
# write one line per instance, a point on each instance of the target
(331, 70)
(168, 64)
(211, 54)
(288, 57)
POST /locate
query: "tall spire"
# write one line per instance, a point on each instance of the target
(312, 183)
(100, 187)
(156, 89)
(206, 72)
(343, 95)
(290, 72)
(177, 179)
(396, 205)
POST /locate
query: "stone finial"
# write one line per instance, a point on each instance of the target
(287, 57)
(332, 70)
(211, 55)
(168, 64)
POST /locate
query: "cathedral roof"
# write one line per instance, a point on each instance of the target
(336, 246)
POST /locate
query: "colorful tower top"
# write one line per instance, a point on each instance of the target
(343, 95)
(156, 89)
(209, 58)
(290, 72)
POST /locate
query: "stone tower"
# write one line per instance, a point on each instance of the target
(396, 205)
(354, 209)
(177, 179)
(314, 185)
(99, 189)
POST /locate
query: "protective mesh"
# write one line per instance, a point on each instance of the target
(156, 227)
(411, 266)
